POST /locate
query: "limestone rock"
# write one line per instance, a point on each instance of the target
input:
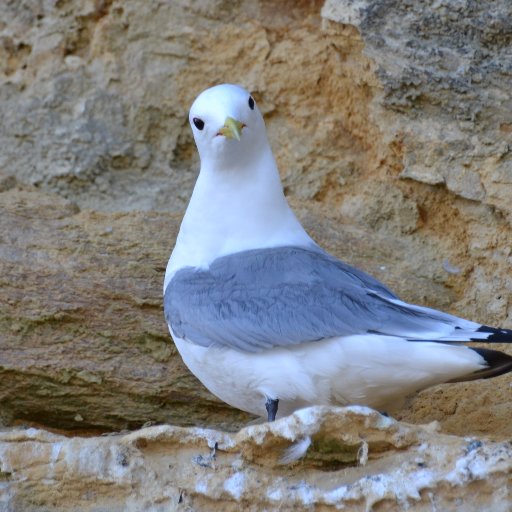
(357, 459)
(390, 122)
(442, 66)
(413, 98)
(390, 210)
(84, 342)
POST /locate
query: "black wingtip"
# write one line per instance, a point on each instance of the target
(495, 335)
(498, 362)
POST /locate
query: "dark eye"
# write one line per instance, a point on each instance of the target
(199, 123)
(251, 103)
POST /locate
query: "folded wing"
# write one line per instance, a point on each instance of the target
(259, 299)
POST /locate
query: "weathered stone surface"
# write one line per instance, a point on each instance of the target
(441, 110)
(391, 126)
(84, 343)
(358, 459)
(94, 97)
(444, 68)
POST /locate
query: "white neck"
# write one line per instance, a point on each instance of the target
(232, 211)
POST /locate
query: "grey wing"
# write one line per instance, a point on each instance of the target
(257, 299)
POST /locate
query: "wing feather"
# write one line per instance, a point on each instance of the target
(258, 299)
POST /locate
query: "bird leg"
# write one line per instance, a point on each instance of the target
(271, 406)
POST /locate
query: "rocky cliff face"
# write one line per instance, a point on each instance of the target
(391, 125)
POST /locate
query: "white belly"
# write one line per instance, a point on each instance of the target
(364, 370)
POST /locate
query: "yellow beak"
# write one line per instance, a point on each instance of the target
(232, 128)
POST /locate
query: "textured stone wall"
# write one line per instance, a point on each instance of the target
(391, 124)
(394, 116)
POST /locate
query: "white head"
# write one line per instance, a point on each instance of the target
(228, 127)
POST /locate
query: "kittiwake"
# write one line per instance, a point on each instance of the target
(269, 321)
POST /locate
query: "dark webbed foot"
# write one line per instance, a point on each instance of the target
(271, 406)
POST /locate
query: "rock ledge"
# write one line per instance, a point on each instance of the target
(355, 458)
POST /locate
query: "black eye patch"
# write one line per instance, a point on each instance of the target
(251, 103)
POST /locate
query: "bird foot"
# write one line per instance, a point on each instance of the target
(271, 406)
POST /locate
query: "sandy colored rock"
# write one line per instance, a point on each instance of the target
(373, 111)
(390, 122)
(357, 459)
(83, 335)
